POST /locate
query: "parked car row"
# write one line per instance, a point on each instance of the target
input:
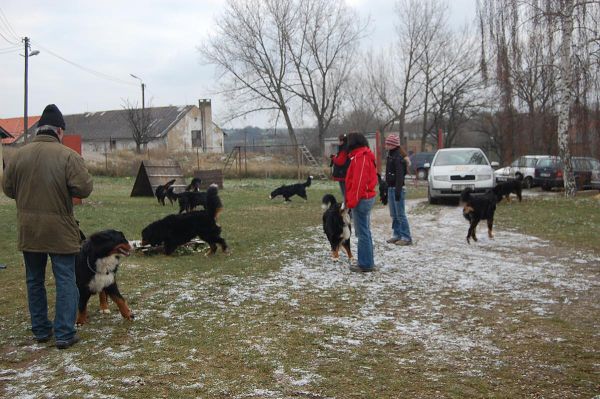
(451, 170)
(549, 173)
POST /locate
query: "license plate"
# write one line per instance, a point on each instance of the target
(460, 187)
(545, 174)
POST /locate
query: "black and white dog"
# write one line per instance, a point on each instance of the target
(336, 225)
(287, 191)
(95, 270)
(175, 230)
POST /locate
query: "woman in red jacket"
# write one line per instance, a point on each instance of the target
(340, 163)
(361, 180)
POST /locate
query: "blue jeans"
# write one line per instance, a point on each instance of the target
(400, 228)
(362, 229)
(67, 294)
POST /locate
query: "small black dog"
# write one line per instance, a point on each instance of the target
(477, 208)
(503, 190)
(161, 191)
(95, 270)
(336, 225)
(383, 190)
(175, 230)
(286, 192)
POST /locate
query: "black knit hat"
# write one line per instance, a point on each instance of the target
(52, 117)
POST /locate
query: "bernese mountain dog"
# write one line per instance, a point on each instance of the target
(477, 208)
(162, 190)
(287, 191)
(336, 225)
(175, 230)
(503, 190)
(96, 269)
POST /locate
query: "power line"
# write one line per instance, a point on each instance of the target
(86, 69)
(11, 31)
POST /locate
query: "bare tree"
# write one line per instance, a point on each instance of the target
(140, 123)
(322, 45)
(568, 28)
(456, 89)
(251, 50)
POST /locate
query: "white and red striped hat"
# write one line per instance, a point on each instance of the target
(392, 140)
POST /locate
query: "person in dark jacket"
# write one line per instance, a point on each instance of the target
(361, 181)
(396, 168)
(340, 163)
(43, 177)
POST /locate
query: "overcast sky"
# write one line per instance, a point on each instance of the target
(155, 40)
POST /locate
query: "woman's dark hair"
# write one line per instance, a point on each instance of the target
(357, 140)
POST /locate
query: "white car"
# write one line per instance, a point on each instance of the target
(454, 169)
(522, 167)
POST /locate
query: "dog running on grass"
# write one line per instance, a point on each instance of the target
(96, 269)
(175, 230)
(336, 225)
(162, 190)
(477, 208)
(287, 191)
(503, 190)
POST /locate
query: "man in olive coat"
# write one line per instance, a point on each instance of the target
(43, 177)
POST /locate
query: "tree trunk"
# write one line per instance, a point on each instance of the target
(565, 102)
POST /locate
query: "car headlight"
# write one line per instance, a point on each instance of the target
(441, 178)
(484, 177)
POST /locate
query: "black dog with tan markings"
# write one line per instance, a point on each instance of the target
(96, 269)
(477, 208)
(336, 225)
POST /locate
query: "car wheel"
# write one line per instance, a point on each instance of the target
(528, 182)
(432, 200)
(421, 174)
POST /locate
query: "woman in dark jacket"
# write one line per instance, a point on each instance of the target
(340, 163)
(396, 168)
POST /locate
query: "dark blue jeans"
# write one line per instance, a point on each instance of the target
(67, 295)
(400, 227)
(362, 228)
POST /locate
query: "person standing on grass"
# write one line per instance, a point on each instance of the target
(340, 163)
(361, 180)
(43, 177)
(396, 168)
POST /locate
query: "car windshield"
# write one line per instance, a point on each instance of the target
(466, 157)
(547, 162)
(530, 162)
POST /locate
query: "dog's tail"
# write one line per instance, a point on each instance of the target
(308, 181)
(465, 195)
(328, 201)
(214, 206)
(169, 183)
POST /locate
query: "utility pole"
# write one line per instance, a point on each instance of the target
(25, 125)
(27, 54)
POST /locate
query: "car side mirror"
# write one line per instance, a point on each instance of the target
(495, 164)
(426, 165)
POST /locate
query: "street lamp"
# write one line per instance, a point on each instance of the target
(27, 55)
(143, 87)
(142, 127)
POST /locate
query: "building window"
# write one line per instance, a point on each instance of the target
(196, 138)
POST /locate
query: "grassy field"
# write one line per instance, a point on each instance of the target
(197, 333)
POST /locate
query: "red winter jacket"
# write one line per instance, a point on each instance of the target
(361, 178)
